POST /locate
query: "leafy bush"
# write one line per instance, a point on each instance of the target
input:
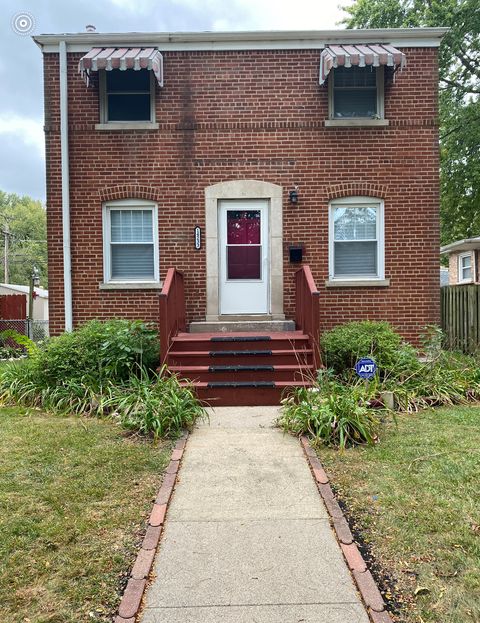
(342, 346)
(9, 335)
(98, 352)
(331, 413)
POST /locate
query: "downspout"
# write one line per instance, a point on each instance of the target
(67, 274)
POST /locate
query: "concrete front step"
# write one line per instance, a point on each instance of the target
(253, 325)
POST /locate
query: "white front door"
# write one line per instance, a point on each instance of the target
(244, 256)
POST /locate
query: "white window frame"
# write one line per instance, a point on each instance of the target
(357, 202)
(461, 268)
(128, 204)
(380, 74)
(102, 77)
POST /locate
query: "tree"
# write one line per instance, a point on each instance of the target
(459, 97)
(26, 221)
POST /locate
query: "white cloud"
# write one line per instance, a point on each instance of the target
(271, 14)
(29, 131)
(253, 14)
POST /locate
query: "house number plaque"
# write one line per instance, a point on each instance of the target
(198, 238)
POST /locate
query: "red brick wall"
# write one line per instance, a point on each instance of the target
(251, 115)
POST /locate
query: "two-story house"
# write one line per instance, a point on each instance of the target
(284, 176)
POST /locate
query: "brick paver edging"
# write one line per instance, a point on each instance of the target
(363, 578)
(132, 596)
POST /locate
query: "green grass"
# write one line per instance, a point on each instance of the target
(74, 497)
(415, 498)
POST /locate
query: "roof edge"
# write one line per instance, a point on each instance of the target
(461, 245)
(424, 37)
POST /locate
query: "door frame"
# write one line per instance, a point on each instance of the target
(244, 189)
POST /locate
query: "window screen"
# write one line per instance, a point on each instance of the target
(465, 267)
(128, 95)
(355, 92)
(132, 245)
(355, 243)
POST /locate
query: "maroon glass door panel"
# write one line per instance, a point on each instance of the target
(243, 263)
(244, 244)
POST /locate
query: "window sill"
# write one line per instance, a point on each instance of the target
(357, 283)
(126, 125)
(356, 123)
(131, 285)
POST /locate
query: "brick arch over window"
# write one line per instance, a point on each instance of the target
(357, 189)
(130, 191)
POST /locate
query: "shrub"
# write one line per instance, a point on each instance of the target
(342, 346)
(9, 335)
(331, 413)
(98, 352)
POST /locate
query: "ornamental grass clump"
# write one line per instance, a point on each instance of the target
(331, 413)
(160, 406)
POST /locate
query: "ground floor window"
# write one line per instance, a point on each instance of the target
(130, 236)
(356, 238)
(465, 267)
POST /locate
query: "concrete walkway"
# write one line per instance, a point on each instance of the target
(247, 538)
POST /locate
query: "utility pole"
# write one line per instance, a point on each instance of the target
(34, 282)
(6, 234)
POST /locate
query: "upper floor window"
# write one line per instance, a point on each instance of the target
(356, 92)
(465, 267)
(356, 239)
(127, 95)
(130, 237)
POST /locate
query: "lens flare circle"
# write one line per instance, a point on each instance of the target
(23, 23)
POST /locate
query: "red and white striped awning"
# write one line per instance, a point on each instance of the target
(122, 58)
(362, 55)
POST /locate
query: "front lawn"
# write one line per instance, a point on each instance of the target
(74, 497)
(414, 499)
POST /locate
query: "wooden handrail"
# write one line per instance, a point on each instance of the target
(307, 309)
(172, 310)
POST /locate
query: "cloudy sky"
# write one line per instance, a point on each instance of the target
(22, 167)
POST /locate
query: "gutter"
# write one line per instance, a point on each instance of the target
(468, 244)
(268, 39)
(67, 270)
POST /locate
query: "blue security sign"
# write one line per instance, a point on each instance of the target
(365, 368)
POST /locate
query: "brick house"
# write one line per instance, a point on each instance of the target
(463, 261)
(284, 175)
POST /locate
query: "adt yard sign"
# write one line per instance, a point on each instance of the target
(365, 368)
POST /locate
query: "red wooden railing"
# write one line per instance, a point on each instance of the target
(307, 309)
(172, 310)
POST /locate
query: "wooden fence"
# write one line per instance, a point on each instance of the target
(13, 306)
(460, 313)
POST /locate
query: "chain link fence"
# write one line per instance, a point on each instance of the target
(36, 330)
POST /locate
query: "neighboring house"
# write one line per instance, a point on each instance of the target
(40, 298)
(238, 158)
(463, 261)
